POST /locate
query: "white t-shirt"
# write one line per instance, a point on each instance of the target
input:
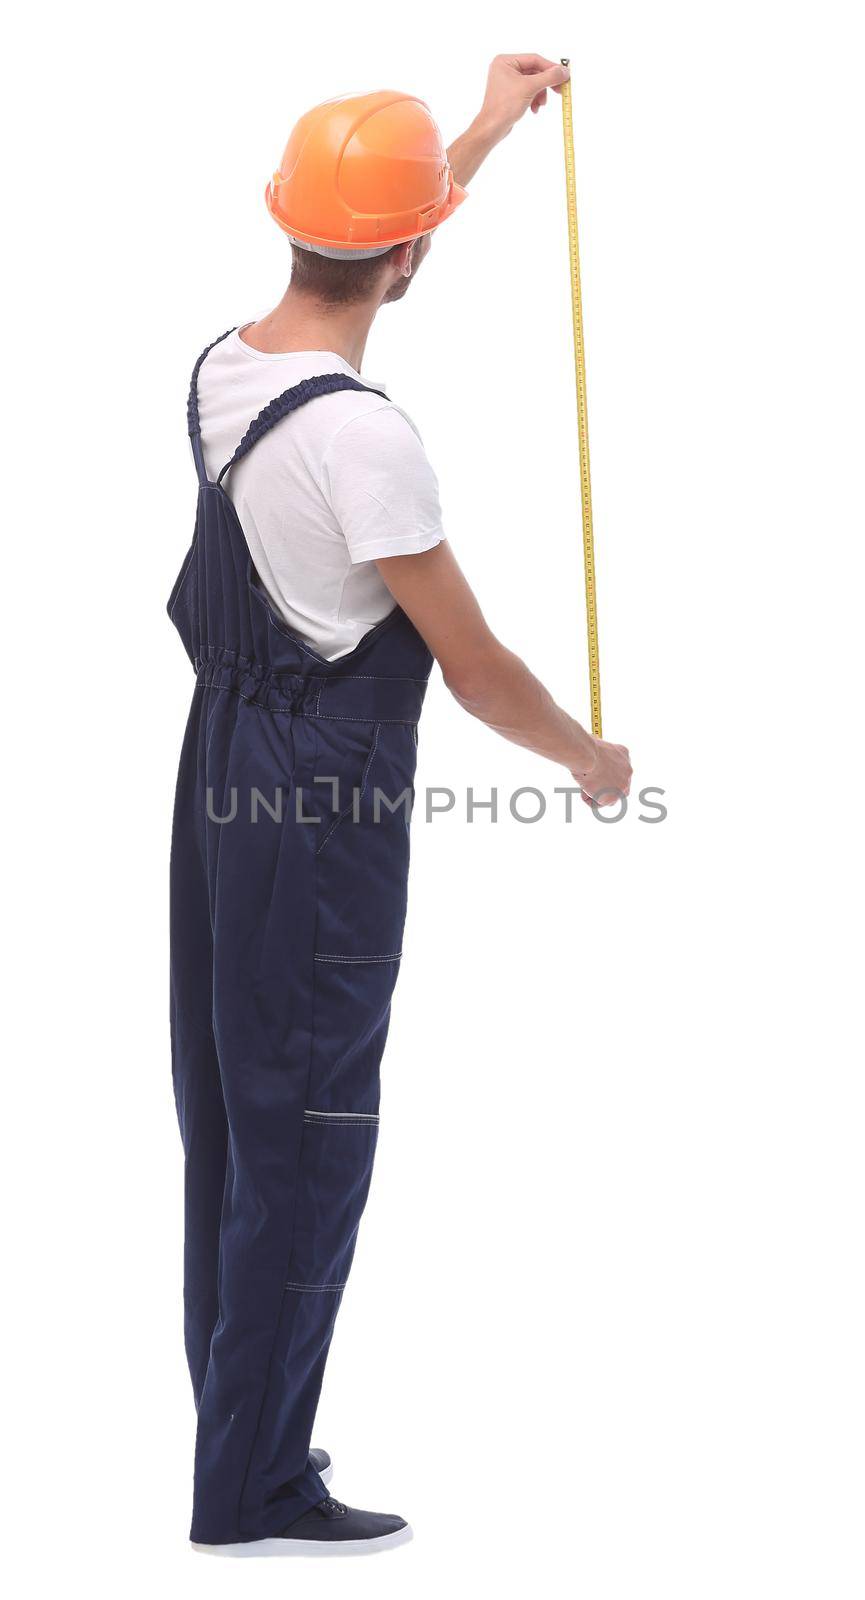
(327, 491)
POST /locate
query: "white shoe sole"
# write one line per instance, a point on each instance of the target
(309, 1547)
(327, 1474)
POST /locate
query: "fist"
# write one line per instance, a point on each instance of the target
(608, 778)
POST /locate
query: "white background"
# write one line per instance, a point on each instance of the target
(604, 1333)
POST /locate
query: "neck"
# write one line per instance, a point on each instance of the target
(300, 322)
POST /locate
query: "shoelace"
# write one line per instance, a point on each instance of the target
(332, 1508)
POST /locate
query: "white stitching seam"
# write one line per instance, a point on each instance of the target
(286, 711)
(360, 961)
(340, 1122)
(340, 1116)
(304, 678)
(315, 1288)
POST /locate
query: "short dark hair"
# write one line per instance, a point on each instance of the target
(336, 283)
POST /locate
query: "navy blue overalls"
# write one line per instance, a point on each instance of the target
(289, 863)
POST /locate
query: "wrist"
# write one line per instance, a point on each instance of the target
(585, 755)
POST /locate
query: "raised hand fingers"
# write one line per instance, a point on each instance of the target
(532, 63)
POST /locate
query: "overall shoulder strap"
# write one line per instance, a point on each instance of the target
(193, 424)
(291, 400)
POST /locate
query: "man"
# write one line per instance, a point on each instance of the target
(318, 589)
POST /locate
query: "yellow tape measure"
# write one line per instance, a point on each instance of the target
(582, 410)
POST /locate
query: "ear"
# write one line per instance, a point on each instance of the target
(403, 258)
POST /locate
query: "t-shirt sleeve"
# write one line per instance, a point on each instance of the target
(381, 487)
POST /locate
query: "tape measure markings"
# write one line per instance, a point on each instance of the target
(582, 410)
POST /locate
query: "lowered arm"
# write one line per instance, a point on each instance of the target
(490, 681)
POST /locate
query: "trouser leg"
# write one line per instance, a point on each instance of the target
(299, 1030)
(195, 1064)
(253, 1477)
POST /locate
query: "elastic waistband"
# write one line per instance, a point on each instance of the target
(336, 697)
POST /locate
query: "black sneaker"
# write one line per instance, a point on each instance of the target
(329, 1529)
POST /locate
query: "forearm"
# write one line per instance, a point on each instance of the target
(499, 689)
(470, 150)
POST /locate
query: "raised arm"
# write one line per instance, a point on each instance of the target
(513, 84)
(492, 683)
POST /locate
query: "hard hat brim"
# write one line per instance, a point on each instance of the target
(455, 198)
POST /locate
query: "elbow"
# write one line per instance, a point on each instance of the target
(472, 681)
(467, 695)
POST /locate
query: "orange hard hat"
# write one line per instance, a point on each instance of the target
(362, 173)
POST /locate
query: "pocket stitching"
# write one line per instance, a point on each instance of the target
(360, 793)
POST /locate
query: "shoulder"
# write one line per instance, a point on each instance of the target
(360, 423)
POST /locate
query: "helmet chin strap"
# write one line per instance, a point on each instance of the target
(333, 254)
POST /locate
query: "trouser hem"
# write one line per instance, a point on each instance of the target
(275, 1522)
